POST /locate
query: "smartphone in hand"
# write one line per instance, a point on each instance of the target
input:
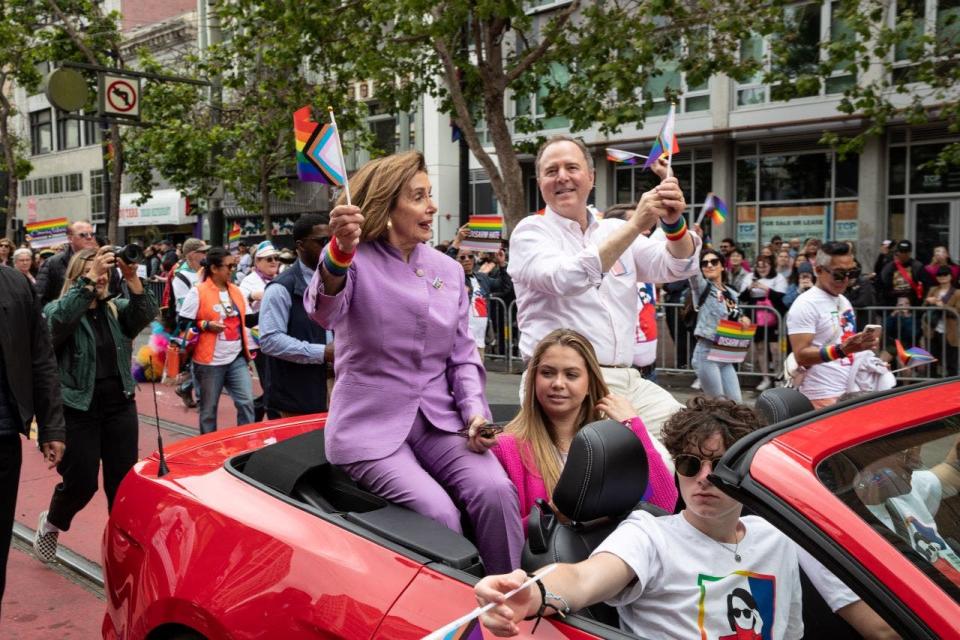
(873, 328)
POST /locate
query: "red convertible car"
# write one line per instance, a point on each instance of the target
(253, 534)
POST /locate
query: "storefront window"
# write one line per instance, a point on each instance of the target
(898, 170)
(792, 177)
(693, 171)
(896, 219)
(925, 180)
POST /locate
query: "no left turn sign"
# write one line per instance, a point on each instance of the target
(120, 96)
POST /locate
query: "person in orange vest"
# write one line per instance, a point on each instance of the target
(222, 355)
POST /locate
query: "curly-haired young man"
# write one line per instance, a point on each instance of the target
(704, 572)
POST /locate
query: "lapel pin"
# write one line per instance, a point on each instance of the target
(437, 283)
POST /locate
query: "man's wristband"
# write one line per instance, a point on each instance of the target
(675, 230)
(545, 596)
(831, 352)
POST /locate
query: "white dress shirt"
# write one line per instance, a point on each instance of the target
(559, 282)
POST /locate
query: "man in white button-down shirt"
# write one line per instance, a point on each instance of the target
(573, 271)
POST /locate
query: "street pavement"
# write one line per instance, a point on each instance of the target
(53, 602)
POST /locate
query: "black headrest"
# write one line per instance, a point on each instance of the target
(281, 465)
(779, 403)
(605, 474)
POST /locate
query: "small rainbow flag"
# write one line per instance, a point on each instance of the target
(914, 356)
(665, 138)
(233, 238)
(623, 157)
(716, 208)
(485, 233)
(318, 150)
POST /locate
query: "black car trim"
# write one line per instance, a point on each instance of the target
(826, 550)
(230, 466)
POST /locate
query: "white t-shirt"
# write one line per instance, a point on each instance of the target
(777, 283)
(690, 586)
(180, 288)
(917, 510)
(645, 347)
(252, 283)
(479, 316)
(832, 589)
(831, 320)
(229, 344)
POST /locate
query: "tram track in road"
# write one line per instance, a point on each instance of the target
(71, 565)
(176, 427)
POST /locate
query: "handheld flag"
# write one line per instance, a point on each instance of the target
(233, 238)
(623, 157)
(666, 141)
(715, 207)
(485, 233)
(319, 158)
(463, 628)
(913, 357)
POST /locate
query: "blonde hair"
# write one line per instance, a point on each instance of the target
(76, 268)
(533, 427)
(376, 187)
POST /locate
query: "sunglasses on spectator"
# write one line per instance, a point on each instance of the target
(462, 258)
(269, 259)
(689, 465)
(710, 262)
(83, 234)
(839, 275)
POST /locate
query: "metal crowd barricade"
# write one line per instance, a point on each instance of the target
(676, 342)
(912, 326)
(503, 322)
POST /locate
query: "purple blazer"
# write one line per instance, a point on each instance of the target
(402, 343)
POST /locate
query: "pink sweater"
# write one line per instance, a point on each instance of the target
(661, 490)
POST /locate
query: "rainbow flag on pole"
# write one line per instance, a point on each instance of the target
(666, 141)
(233, 238)
(318, 150)
(914, 356)
(716, 208)
(623, 157)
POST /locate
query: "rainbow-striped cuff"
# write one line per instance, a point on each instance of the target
(676, 230)
(831, 352)
(335, 261)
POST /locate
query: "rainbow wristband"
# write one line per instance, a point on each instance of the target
(831, 353)
(335, 261)
(674, 231)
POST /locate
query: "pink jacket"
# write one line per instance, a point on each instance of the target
(661, 490)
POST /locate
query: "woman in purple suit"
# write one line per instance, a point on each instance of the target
(410, 383)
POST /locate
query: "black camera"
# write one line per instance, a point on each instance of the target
(130, 254)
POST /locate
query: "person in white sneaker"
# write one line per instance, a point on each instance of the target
(28, 389)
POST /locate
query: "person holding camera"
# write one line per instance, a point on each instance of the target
(93, 340)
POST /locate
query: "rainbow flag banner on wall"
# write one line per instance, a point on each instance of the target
(318, 150)
(485, 233)
(46, 233)
(731, 342)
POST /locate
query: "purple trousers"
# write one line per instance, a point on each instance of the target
(431, 470)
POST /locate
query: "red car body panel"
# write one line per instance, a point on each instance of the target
(787, 466)
(203, 548)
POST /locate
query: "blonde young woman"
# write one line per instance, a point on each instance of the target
(93, 339)
(565, 391)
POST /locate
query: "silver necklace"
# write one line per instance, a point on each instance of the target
(736, 548)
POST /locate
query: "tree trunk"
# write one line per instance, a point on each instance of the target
(265, 202)
(10, 164)
(116, 176)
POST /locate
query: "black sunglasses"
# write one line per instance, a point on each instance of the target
(839, 275)
(462, 258)
(486, 431)
(689, 465)
(710, 262)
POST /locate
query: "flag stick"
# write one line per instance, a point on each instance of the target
(703, 211)
(476, 613)
(912, 366)
(343, 164)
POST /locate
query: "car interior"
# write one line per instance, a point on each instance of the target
(602, 482)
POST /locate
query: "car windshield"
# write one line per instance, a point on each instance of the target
(906, 485)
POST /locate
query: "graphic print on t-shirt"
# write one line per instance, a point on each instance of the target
(848, 326)
(739, 606)
(928, 543)
(647, 316)
(229, 317)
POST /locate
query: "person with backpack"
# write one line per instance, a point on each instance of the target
(181, 280)
(93, 340)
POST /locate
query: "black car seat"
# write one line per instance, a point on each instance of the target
(780, 403)
(776, 405)
(602, 482)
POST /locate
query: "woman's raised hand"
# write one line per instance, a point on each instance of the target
(345, 221)
(617, 408)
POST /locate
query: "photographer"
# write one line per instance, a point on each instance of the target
(93, 339)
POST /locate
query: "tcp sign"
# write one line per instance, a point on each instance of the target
(120, 96)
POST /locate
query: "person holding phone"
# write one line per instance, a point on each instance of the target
(564, 392)
(822, 327)
(93, 340)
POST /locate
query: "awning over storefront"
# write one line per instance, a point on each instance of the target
(165, 206)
